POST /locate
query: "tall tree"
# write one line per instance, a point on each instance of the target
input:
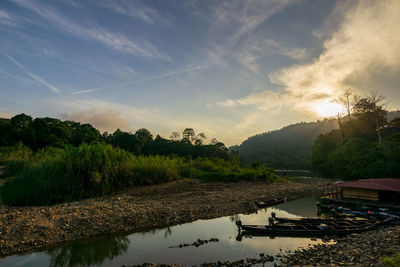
(188, 135)
(174, 136)
(345, 100)
(199, 139)
(376, 98)
(370, 113)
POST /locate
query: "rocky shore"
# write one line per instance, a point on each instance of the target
(364, 249)
(27, 229)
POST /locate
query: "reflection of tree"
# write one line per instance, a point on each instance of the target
(234, 218)
(167, 232)
(88, 253)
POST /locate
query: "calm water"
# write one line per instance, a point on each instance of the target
(154, 246)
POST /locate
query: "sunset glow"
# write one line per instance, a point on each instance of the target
(228, 68)
(329, 109)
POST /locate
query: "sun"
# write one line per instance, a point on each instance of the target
(328, 109)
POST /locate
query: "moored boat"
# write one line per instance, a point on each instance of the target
(313, 227)
(270, 202)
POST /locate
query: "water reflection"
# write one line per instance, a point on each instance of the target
(234, 218)
(154, 246)
(88, 253)
(167, 232)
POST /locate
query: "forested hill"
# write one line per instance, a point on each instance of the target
(287, 148)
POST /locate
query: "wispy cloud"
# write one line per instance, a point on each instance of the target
(116, 41)
(86, 91)
(133, 9)
(167, 74)
(238, 19)
(5, 19)
(33, 76)
(255, 48)
(22, 79)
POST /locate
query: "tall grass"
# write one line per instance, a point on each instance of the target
(56, 175)
(14, 158)
(392, 261)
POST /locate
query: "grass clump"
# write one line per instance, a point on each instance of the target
(14, 158)
(56, 175)
(392, 261)
(72, 173)
(230, 171)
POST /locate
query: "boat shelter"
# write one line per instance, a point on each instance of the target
(382, 189)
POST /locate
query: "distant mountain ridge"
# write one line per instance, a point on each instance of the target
(289, 147)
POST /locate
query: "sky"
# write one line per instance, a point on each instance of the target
(230, 69)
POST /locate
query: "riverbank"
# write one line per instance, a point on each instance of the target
(364, 249)
(29, 229)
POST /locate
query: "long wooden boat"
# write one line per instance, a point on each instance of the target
(270, 202)
(310, 229)
(329, 221)
(359, 211)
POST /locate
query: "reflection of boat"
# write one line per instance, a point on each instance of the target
(313, 227)
(270, 202)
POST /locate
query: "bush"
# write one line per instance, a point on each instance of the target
(55, 175)
(392, 261)
(14, 157)
(74, 173)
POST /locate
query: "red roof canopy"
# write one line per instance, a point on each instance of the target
(387, 184)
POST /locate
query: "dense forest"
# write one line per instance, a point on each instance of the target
(287, 148)
(50, 161)
(43, 132)
(366, 144)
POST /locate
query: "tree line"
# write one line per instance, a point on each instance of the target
(366, 144)
(43, 132)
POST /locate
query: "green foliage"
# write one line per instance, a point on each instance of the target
(230, 171)
(14, 158)
(363, 152)
(44, 132)
(55, 175)
(392, 261)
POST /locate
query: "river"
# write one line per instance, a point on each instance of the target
(154, 246)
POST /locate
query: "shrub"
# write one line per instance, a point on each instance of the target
(55, 175)
(392, 261)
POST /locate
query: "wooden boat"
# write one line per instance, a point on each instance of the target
(358, 211)
(312, 228)
(270, 202)
(329, 221)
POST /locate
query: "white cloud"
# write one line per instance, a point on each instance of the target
(33, 76)
(365, 43)
(116, 41)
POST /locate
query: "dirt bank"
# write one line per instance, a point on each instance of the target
(35, 228)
